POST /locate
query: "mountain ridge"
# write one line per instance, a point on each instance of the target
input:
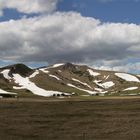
(67, 79)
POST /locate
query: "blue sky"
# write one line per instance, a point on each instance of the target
(104, 34)
(13, 14)
(112, 11)
(107, 11)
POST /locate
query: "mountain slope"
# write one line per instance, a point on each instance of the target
(67, 79)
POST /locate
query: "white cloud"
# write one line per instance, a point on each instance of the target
(130, 67)
(118, 65)
(29, 6)
(69, 37)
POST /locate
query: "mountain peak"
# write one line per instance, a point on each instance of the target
(19, 68)
(69, 66)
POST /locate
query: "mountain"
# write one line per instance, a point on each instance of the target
(67, 80)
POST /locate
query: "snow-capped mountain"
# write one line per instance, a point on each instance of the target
(67, 80)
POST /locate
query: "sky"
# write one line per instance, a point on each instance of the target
(104, 34)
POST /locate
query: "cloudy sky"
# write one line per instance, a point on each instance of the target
(104, 34)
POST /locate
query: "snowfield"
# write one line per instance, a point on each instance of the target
(27, 84)
(92, 73)
(127, 77)
(130, 88)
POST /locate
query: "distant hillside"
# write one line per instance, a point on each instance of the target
(67, 80)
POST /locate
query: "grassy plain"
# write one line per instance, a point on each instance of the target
(70, 119)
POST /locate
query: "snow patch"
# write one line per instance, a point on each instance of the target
(53, 66)
(15, 87)
(108, 84)
(97, 81)
(88, 91)
(44, 70)
(5, 92)
(34, 74)
(6, 74)
(92, 73)
(99, 89)
(127, 77)
(54, 77)
(57, 65)
(106, 77)
(130, 88)
(85, 84)
(105, 85)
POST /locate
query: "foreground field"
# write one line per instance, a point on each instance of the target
(97, 119)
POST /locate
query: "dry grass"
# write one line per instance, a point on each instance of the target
(43, 119)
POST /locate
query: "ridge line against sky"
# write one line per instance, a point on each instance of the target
(104, 34)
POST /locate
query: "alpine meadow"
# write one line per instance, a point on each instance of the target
(69, 69)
